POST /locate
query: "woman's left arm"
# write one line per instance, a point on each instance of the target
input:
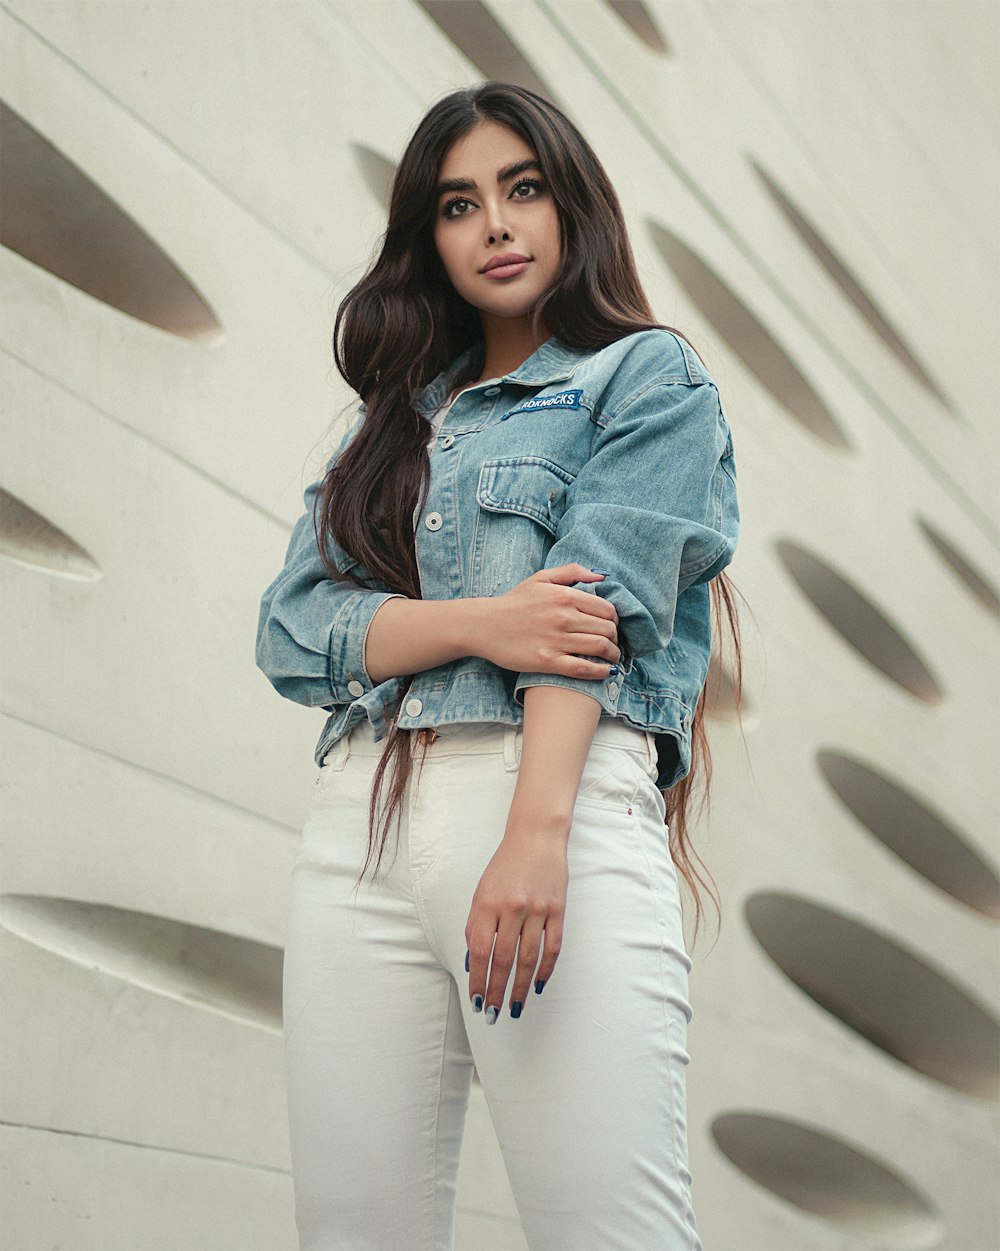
(655, 507)
(523, 889)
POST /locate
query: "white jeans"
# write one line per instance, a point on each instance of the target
(585, 1089)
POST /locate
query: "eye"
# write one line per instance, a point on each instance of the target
(532, 183)
(450, 204)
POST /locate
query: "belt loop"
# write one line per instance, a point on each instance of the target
(512, 747)
(651, 756)
(337, 756)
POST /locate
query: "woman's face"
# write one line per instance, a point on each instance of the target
(503, 208)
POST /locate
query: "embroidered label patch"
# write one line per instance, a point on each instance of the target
(565, 399)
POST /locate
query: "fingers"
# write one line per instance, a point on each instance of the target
(514, 952)
(550, 954)
(581, 667)
(567, 574)
(504, 955)
(528, 952)
(602, 609)
(477, 961)
(600, 648)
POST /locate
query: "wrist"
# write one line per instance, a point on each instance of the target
(469, 628)
(534, 818)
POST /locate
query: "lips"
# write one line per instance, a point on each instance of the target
(509, 260)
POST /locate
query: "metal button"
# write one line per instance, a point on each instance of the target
(433, 521)
(613, 689)
(414, 707)
(355, 688)
(492, 391)
(448, 440)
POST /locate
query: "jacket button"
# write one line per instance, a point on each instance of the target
(414, 707)
(613, 689)
(355, 688)
(433, 521)
(492, 391)
(448, 440)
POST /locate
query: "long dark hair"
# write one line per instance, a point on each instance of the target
(404, 323)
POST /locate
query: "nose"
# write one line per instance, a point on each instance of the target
(495, 227)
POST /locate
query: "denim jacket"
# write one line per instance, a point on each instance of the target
(620, 459)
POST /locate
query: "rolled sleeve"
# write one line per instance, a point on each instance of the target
(312, 628)
(348, 638)
(655, 507)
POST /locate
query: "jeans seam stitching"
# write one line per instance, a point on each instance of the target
(688, 1205)
(433, 1172)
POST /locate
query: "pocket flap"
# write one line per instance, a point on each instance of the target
(529, 485)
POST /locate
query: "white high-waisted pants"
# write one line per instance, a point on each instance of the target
(585, 1089)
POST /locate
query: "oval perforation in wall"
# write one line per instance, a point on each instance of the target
(859, 622)
(849, 284)
(480, 38)
(883, 992)
(377, 171)
(830, 1178)
(909, 827)
(53, 215)
(236, 977)
(756, 347)
(974, 581)
(638, 18)
(28, 538)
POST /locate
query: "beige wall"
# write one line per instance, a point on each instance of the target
(189, 190)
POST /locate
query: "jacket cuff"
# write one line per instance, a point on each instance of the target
(607, 691)
(349, 679)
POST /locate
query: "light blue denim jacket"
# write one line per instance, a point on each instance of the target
(620, 459)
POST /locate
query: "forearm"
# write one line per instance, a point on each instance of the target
(409, 635)
(559, 727)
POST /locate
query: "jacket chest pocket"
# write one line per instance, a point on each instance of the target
(520, 501)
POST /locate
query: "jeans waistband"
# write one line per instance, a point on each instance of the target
(483, 738)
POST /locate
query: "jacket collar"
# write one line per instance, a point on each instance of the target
(553, 361)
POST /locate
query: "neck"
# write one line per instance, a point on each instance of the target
(509, 342)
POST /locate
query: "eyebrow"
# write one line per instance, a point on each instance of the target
(503, 175)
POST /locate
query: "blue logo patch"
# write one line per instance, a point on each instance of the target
(565, 399)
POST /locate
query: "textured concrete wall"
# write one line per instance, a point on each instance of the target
(189, 188)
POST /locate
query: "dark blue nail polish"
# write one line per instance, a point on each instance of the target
(515, 1008)
(477, 1003)
(466, 962)
(602, 571)
(614, 671)
(539, 985)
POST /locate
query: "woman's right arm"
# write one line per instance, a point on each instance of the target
(542, 623)
(323, 642)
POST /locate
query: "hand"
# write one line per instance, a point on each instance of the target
(544, 625)
(521, 894)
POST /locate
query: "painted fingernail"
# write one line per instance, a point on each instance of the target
(515, 1008)
(492, 1012)
(477, 1003)
(539, 985)
(614, 671)
(466, 962)
(603, 572)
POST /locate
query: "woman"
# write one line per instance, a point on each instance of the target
(507, 566)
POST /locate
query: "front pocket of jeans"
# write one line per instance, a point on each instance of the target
(611, 777)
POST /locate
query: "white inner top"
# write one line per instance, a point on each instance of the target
(442, 412)
(439, 417)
